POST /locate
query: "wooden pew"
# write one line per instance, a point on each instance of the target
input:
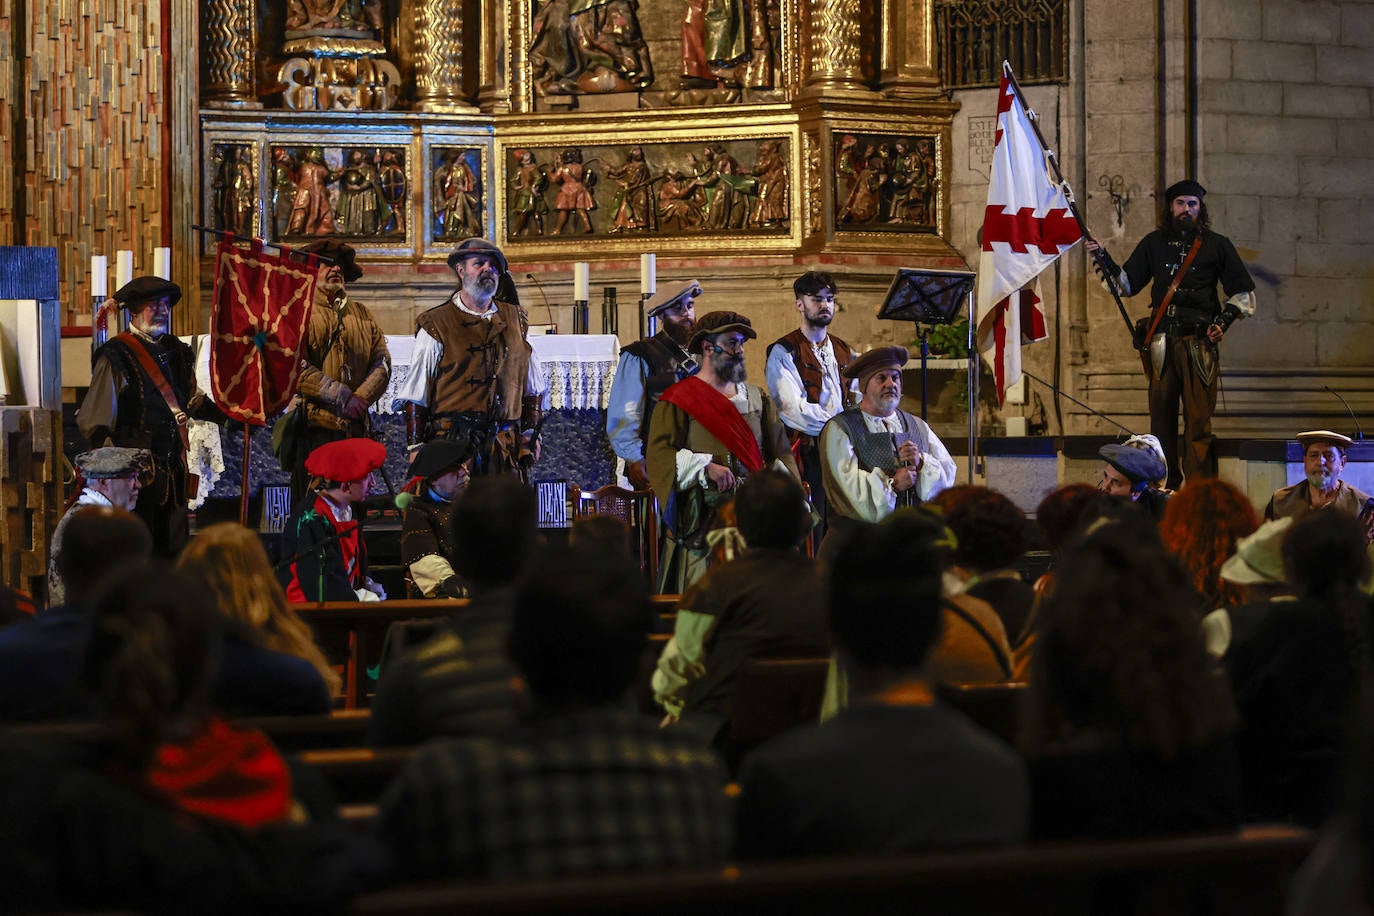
(996, 707)
(339, 729)
(1216, 875)
(357, 775)
(773, 695)
(363, 624)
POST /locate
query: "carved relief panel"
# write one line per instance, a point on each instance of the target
(622, 190)
(886, 182)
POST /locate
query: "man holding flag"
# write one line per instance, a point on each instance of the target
(1183, 261)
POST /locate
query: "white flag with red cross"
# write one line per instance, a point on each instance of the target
(1028, 223)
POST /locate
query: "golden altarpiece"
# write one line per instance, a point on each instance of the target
(761, 133)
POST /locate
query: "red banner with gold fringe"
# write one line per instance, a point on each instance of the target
(258, 328)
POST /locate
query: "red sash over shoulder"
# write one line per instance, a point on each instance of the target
(721, 418)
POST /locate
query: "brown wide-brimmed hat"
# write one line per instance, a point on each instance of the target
(876, 360)
(713, 323)
(468, 248)
(343, 256)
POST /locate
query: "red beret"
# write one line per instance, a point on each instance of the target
(346, 460)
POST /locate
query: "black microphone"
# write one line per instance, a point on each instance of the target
(1359, 433)
(539, 286)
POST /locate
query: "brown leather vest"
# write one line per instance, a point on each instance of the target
(484, 362)
(809, 364)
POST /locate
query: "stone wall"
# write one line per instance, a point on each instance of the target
(1281, 136)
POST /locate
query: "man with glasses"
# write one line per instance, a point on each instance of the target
(143, 394)
(805, 377)
(708, 433)
(647, 367)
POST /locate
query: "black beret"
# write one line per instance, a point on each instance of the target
(147, 289)
(1185, 188)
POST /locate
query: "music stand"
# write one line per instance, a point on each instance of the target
(929, 298)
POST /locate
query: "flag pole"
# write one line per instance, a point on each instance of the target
(1053, 160)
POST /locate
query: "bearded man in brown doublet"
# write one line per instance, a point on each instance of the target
(470, 371)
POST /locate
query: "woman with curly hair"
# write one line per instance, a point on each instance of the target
(1202, 524)
(231, 562)
(1127, 725)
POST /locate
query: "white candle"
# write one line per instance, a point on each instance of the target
(648, 277)
(124, 268)
(582, 281)
(162, 263)
(100, 276)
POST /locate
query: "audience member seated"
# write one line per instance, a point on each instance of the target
(177, 810)
(897, 769)
(460, 681)
(991, 532)
(1059, 517)
(270, 663)
(1255, 570)
(1298, 674)
(1129, 473)
(40, 658)
(1128, 725)
(324, 555)
(972, 647)
(1202, 524)
(111, 477)
(588, 786)
(1324, 455)
(767, 601)
(441, 471)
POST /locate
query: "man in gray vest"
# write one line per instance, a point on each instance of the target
(876, 457)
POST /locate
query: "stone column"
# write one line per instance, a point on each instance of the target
(836, 46)
(908, 67)
(229, 43)
(438, 26)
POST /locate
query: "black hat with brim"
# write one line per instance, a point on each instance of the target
(343, 256)
(439, 456)
(147, 289)
(472, 247)
(1185, 188)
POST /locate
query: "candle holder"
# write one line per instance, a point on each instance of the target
(581, 317)
(610, 311)
(100, 328)
(644, 314)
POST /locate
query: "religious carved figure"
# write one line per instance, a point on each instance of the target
(590, 46)
(727, 42)
(575, 182)
(362, 209)
(865, 192)
(914, 183)
(727, 187)
(458, 201)
(283, 188)
(633, 206)
(528, 184)
(363, 16)
(680, 202)
(770, 207)
(311, 211)
(391, 178)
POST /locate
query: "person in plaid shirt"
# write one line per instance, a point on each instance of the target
(586, 786)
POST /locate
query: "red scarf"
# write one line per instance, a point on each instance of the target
(721, 418)
(224, 773)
